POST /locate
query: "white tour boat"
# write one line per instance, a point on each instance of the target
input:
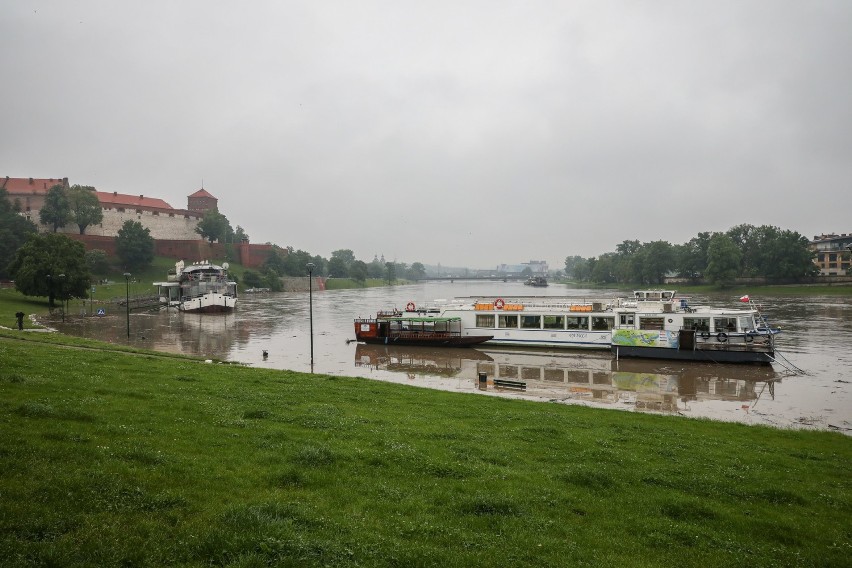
(653, 324)
(200, 287)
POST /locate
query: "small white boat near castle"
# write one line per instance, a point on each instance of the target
(200, 287)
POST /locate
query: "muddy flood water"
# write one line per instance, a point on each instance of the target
(816, 338)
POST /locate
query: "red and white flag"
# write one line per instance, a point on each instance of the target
(744, 299)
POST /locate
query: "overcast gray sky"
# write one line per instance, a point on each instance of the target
(469, 133)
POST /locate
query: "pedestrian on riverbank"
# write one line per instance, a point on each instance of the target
(20, 317)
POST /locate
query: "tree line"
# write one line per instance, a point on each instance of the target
(341, 264)
(714, 257)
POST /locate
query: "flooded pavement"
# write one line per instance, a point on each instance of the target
(816, 338)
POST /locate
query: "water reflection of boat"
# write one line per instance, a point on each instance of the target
(579, 376)
(200, 287)
(417, 360)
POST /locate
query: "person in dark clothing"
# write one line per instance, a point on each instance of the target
(20, 317)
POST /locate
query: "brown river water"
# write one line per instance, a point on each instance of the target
(816, 339)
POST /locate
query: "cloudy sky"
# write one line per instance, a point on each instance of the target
(470, 133)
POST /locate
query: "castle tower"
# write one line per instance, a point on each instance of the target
(201, 202)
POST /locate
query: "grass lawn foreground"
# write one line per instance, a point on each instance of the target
(111, 458)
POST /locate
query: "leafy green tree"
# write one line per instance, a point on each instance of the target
(390, 268)
(276, 261)
(96, 260)
(723, 260)
(252, 279)
(692, 256)
(14, 232)
(658, 259)
(134, 245)
(240, 235)
(51, 265)
(214, 226)
(85, 207)
(376, 269)
(603, 270)
(339, 263)
(56, 211)
(417, 271)
(358, 271)
(571, 263)
(785, 255)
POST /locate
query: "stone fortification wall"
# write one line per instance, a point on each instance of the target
(167, 225)
(249, 255)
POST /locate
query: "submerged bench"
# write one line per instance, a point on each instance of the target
(510, 384)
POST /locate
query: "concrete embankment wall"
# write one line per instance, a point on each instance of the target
(300, 284)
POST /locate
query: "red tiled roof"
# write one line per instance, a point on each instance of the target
(24, 185)
(202, 193)
(115, 198)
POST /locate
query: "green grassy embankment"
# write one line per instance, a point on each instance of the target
(110, 458)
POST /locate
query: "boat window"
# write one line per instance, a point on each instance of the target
(484, 320)
(507, 321)
(725, 324)
(651, 323)
(554, 322)
(531, 322)
(577, 322)
(602, 322)
(626, 319)
(698, 324)
(746, 322)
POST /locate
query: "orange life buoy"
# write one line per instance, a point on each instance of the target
(410, 307)
(499, 303)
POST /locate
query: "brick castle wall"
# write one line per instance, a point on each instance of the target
(247, 254)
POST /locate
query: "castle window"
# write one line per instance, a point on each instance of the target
(138, 211)
(171, 214)
(155, 213)
(120, 209)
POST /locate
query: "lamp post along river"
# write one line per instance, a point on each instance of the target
(127, 300)
(311, 308)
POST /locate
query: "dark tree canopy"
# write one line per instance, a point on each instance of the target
(85, 207)
(134, 245)
(56, 211)
(214, 227)
(51, 265)
(14, 232)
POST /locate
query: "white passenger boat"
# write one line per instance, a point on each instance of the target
(200, 287)
(653, 324)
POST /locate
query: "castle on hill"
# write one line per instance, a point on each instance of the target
(163, 220)
(173, 230)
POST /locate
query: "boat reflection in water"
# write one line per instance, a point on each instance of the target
(662, 386)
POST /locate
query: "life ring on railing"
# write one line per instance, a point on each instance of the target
(499, 303)
(722, 337)
(410, 307)
(705, 335)
(749, 338)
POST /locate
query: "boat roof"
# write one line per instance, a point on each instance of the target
(422, 319)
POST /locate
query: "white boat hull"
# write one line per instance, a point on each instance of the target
(208, 303)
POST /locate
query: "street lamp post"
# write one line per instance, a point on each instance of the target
(61, 294)
(50, 293)
(311, 308)
(127, 300)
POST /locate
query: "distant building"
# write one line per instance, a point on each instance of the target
(832, 253)
(536, 267)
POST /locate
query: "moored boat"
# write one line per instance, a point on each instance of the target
(434, 331)
(653, 323)
(200, 287)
